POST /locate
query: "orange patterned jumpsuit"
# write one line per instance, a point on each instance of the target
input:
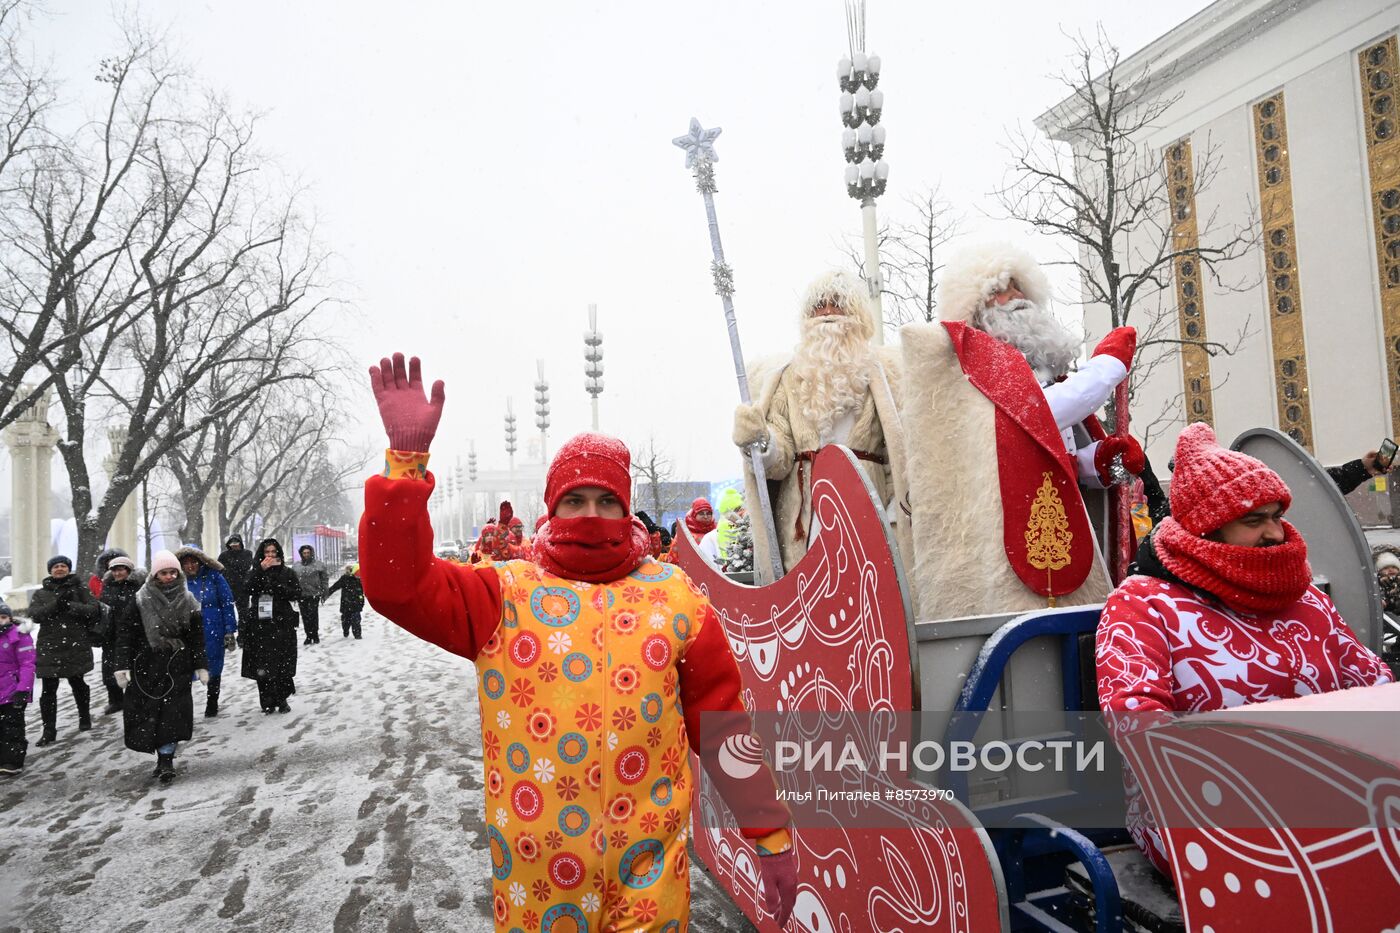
(590, 696)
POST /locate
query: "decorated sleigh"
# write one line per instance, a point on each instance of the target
(1002, 851)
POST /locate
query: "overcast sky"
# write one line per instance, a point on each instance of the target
(485, 171)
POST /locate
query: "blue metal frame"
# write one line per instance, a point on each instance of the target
(1034, 852)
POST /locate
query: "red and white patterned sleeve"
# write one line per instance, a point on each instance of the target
(1357, 665)
(1132, 654)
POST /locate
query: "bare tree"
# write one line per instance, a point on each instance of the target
(652, 468)
(26, 98)
(911, 257)
(293, 469)
(185, 268)
(1108, 194)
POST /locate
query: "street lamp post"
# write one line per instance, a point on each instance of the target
(542, 411)
(448, 504)
(510, 443)
(863, 140)
(461, 504)
(471, 475)
(593, 360)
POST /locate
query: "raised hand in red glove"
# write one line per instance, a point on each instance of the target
(1113, 445)
(409, 418)
(1119, 343)
(779, 883)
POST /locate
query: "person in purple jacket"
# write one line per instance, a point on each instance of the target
(16, 685)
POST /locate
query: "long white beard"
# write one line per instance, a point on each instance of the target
(1048, 346)
(831, 366)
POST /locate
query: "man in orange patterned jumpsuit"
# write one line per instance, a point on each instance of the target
(595, 665)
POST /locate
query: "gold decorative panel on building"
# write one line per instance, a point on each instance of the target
(1378, 74)
(1281, 270)
(1190, 299)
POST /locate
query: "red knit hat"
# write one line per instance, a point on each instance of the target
(506, 513)
(590, 460)
(1212, 486)
(700, 504)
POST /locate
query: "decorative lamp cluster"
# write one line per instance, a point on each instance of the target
(542, 410)
(593, 360)
(864, 138)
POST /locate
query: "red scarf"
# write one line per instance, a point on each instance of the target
(698, 528)
(592, 549)
(1247, 579)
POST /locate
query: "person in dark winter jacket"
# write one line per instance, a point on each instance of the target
(206, 581)
(104, 561)
(269, 628)
(315, 580)
(238, 563)
(1355, 472)
(119, 585)
(65, 610)
(16, 686)
(160, 650)
(352, 600)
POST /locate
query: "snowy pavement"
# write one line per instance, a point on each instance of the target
(360, 810)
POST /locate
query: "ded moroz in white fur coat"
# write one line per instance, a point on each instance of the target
(876, 429)
(960, 566)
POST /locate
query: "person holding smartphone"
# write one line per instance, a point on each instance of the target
(268, 629)
(1355, 472)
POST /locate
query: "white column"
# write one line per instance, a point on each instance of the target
(122, 534)
(212, 544)
(31, 441)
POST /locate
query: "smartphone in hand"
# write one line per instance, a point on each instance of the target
(1386, 455)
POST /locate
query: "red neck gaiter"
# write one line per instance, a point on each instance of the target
(592, 549)
(698, 528)
(1247, 579)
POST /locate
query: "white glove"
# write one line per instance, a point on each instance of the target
(749, 425)
(123, 678)
(203, 676)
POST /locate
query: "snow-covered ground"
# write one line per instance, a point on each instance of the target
(359, 810)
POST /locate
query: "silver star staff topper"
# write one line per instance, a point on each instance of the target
(699, 144)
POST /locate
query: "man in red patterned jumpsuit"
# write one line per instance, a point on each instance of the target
(1222, 611)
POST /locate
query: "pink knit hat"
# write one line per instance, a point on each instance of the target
(163, 560)
(1212, 486)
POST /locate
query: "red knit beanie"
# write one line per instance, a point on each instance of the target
(699, 505)
(1212, 486)
(590, 460)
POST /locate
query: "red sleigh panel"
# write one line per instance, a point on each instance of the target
(836, 634)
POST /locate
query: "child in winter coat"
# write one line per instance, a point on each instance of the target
(352, 600)
(160, 646)
(16, 684)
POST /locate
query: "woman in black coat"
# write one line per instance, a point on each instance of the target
(160, 649)
(268, 630)
(119, 586)
(66, 611)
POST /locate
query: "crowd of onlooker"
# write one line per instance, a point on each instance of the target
(159, 630)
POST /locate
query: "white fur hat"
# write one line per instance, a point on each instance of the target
(844, 290)
(977, 272)
(1386, 559)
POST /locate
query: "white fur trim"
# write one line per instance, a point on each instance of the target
(844, 290)
(27, 625)
(977, 272)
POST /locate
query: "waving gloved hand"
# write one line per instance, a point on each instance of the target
(1113, 445)
(410, 419)
(1119, 343)
(779, 883)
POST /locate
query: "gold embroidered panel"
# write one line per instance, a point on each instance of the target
(1281, 270)
(1378, 73)
(1190, 299)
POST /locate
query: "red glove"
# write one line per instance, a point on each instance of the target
(780, 883)
(1113, 445)
(409, 419)
(1119, 343)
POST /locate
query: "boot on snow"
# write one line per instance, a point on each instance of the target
(49, 737)
(165, 768)
(211, 701)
